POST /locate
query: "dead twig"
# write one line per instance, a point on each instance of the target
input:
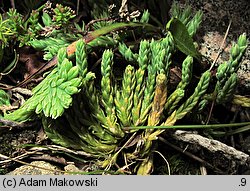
(222, 46)
(221, 49)
(60, 149)
(213, 146)
(45, 157)
(18, 157)
(191, 155)
(5, 108)
(12, 2)
(77, 7)
(23, 91)
(10, 124)
(21, 162)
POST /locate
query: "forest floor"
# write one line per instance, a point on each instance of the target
(189, 152)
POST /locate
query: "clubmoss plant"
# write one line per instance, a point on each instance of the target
(95, 114)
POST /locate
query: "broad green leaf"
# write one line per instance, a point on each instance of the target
(182, 39)
(116, 26)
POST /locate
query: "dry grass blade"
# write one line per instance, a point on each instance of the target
(169, 170)
(222, 46)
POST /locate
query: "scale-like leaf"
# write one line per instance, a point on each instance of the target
(46, 19)
(4, 98)
(182, 39)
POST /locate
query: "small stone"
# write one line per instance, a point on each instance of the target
(71, 168)
(211, 46)
(49, 169)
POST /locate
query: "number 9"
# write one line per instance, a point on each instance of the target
(243, 181)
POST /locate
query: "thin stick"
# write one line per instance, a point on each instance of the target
(16, 160)
(77, 7)
(221, 49)
(190, 155)
(18, 157)
(12, 2)
(115, 155)
(9, 124)
(210, 112)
